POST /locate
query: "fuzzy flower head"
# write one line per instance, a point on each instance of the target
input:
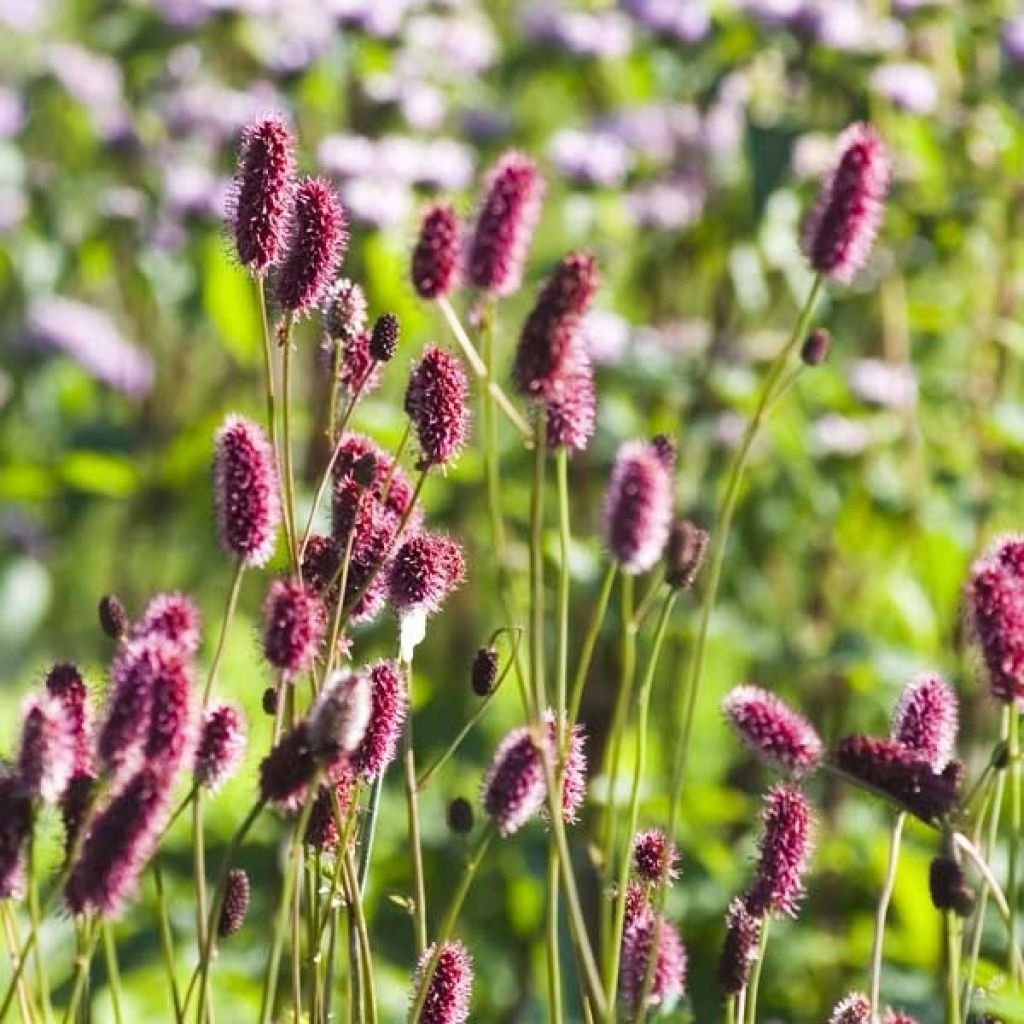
(773, 730)
(236, 903)
(854, 1009)
(655, 857)
(995, 607)
(504, 225)
(574, 786)
(436, 402)
(685, 551)
(345, 310)
(389, 706)
(785, 849)
(221, 745)
(840, 231)
(483, 674)
(113, 617)
(294, 622)
(450, 987)
(46, 751)
(514, 788)
(435, 259)
(571, 405)
(15, 826)
(261, 197)
(174, 617)
(323, 832)
(286, 772)
(392, 487)
(385, 337)
(926, 719)
(637, 508)
(66, 686)
(247, 495)
(740, 948)
(317, 240)
(669, 978)
(341, 714)
(424, 572)
(171, 731)
(358, 370)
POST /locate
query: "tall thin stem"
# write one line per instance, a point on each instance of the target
(413, 816)
(36, 925)
(590, 640)
(564, 578)
(755, 978)
(13, 945)
(952, 968)
(83, 962)
(537, 570)
(1013, 880)
(884, 898)
(286, 442)
(167, 941)
(551, 952)
(113, 971)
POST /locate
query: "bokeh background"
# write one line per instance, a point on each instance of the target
(681, 140)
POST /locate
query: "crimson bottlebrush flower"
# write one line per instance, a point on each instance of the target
(286, 772)
(995, 604)
(638, 507)
(65, 685)
(948, 887)
(574, 785)
(340, 715)
(175, 617)
(15, 826)
(571, 405)
(113, 617)
(740, 948)
(392, 486)
(221, 745)
(926, 719)
(901, 774)
(504, 225)
(320, 563)
(171, 731)
(322, 830)
(514, 788)
(121, 840)
(247, 495)
(435, 258)
(655, 857)
(294, 622)
(344, 310)
(389, 706)
(259, 202)
(785, 849)
(484, 672)
(685, 551)
(358, 370)
(550, 342)
(854, 1009)
(317, 240)
(74, 804)
(384, 339)
(236, 903)
(841, 230)
(46, 751)
(669, 976)
(772, 729)
(435, 401)
(424, 572)
(450, 987)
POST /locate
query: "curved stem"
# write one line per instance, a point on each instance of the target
(590, 640)
(884, 899)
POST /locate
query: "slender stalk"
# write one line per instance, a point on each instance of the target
(537, 570)
(13, 945)
(564, 577)
(36, 928)
(296, 929)
(415, 840)
(82, 964)
(225, 625)
(1013, 881)
(884, 899)
(952, 969)
(113, 972)
(366, 954)
(755, 978)
(286, 442)
(590, 640)
(730, 1010)
(552, 957)
(167, 942)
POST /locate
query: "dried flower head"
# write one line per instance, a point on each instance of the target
(484, 672)
(286, 772)
(15, 827)
(174, 617)
(773, 730)
(341, 714)
(435, 258)
(514, 788)
(345, 310)
(66, 686)
(685, 551)
(504, 225)
(450, 987)
(926, 719)
(46, 750)
(740, 948)
(389, 706)
(841, 230)
(669, 978)
(385, 337)
(236, 903)
(294, 622)
(655, 857)
(424, 572)
(221, 745)
(948, 887)
(113, 617)
(899, 773)
(854, 1009)
(571, 405)
(785, 849)
(259, 202)
(638, 507)
(436, 402)
(317, 240)
(248, 499)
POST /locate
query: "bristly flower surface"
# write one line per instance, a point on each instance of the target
(294, 622)
(221, 746)
(424, 572)
(854, 1009)
(655, 857)
(436, 402)
(389, 706)
(773, 730)
(514, 787)
(174, 617)
(574, 771)
(15, 826)
(740, 948)
(669, 977)
(926, 719)
(236, 903)
(785, 849)
(65, 685)
(571, 405)
(46, 749)
(450, 988)
(638, 507)
(435, 259)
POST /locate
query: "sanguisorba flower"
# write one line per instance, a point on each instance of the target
(384, 337)
(948, 886)
(685, 551)
(171, 731)
(995, 606)
(15, 826)
(504, 225)
(294, 622)
(436, 402)
(392, 487)
(46, 748)
(638, 507)
(236, 903)
(174, 617)
(345, 308)
(740, 948)
(64, 683)
(221, 745)
(113, 617)
(841, 229)
(574, 770)
(435, 258)
(341, 713)
(926, 719)
(424, 572)
(287, 771)
(315, 248)
(669, 977)
(854, 1009)
(483, 674)
(785, 849)
(514, 788)
(359, 372)
(450, 987)
(655, 857)
(261, 197)
(571, 406)
(773, 730)
(389, 706)
(248, 499)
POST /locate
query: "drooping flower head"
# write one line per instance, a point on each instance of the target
(669, 977)
(174, 617)
(261, 197)
(424, 572)
(637, 508)
(15, 826)
(773, 730)
(685, 551)
(815, 348)
(46, 748)
(317, 240)
(854, 1009)
(504, 225)
(655, 857)
(435, 258)
(236, 903)
(841, 230)
(65, 685)
(113, 617)
(294, 622)
(926, 718)
(574, 784)
(514, 788)
(341, 713)
(247, 495)
(740, 948)
(785, 849)
(436, 402)
(901, 774)
(571, 405)
(389, 706)
(995, 606)
(221, 745)
(450, 987)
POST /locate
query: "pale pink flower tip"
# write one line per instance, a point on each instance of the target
(46, 755)
(574, 784)
(436, 400)
(926, 719)
(854, 1009)
(221, 745)
(638, 507)
(773, 730)
(450, 987)
(174, 617)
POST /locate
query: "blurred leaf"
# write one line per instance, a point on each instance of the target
(229, 299)
(99, 473)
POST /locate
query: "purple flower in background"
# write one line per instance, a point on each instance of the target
(605, 336)
(605, 34)
(591, 158)
(91, 339)
(911, 87)
(1013, 40)
(96, 82)
(381, 18)
(833, 434)
(12, 112)
(892, 385)
(659, 130)
(377, 203)
(687, 21)
(668, 205)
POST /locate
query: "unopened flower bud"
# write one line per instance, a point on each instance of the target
(815, 347)
(384, 340)
(270, 701)
(364, 472)
(685, 551)
(484, 674)
(113, 618)
(460, 816)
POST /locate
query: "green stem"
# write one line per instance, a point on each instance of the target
(884, 898)
(415, 840)
(1013, 881)
(552, 955)
(286, 441)
(590, 640)
(296, 929)
(537, 570)
(167, 942)
(366, 955)
(952, 969)
(113, 972)
(755, 978)
(13, 945)
(730, 1010)
(36, 925)
(82, 965)
(564, 576)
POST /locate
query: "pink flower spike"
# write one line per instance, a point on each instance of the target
(669, 971)
(379, 744)
(436, 402)
(294, 622)
(638, 507)
(174, 617)
(450, 988)
(773, 730)
(435, 259)
(655, 858)
(785, 849)
(574, 786)
(571, 404)
(740, 949)
(46, 754)
(221, 746)
(926, 719)
(65, 685)
(424, 572)
(854, 1009)
(514, 788)
(15, 827)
